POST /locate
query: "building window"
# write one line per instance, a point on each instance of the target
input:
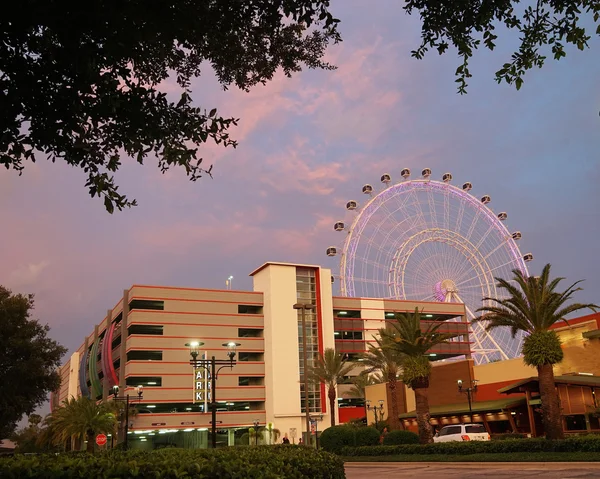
(249, 309)
(182, 407)
(144, 356)
(151, 304)
(306, 292)
(575, 422)
(249, 333)
(251, 381)
(144, 381)
(353, 357)
(116, 342)
(145, 329)
(357, 335)
(346, 313)
(351, 402)
(259, 357)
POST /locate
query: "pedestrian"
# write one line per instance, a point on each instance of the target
(300, 442)
(285, 439)
(383, 434)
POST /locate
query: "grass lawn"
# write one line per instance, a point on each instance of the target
(488, 457)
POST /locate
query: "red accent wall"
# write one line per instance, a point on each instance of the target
(489, 392)
(320, 326)
(579, 320)
(349, 413)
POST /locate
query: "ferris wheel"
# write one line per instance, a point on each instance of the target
(427, 240)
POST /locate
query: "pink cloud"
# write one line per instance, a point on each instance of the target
(301, 168)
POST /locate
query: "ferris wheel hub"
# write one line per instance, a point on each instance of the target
(445, 290)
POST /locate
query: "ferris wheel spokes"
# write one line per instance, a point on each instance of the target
(419, 234)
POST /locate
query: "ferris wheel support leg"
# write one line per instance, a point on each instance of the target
(487, 334)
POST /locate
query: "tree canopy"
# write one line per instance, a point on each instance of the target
(82, 418)
(544, 27)
(81, 82)
(28, 361)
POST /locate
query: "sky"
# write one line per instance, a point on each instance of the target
(306, 146)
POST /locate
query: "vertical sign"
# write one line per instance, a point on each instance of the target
(207, 383)
(201, 389)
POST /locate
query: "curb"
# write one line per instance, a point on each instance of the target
(574, 464)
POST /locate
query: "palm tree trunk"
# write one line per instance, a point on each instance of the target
(393, 413)
(550, 403)
(90, 442)
(332, 397)
(423, 416)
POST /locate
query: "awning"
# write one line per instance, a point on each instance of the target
(477, 406)
(592, 334)
(532, 383)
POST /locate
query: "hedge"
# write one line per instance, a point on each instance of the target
(366, 436)
(508, 435)
(575, 444)
(269, 462)
(394, 438)
(334, 438)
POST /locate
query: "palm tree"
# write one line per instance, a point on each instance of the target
(385, 361)
(411, 341)
(331, 369)
(360, 383)
(533, 305)
(82, 418)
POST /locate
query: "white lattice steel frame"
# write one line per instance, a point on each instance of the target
(431, 241)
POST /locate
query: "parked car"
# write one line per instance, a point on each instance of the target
(462, 432)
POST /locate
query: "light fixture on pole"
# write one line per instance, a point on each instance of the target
(303, 308)
(210, 366)
(469, 392)
(139, 390)
(375, 410)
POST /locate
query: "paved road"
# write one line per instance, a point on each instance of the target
(514, 470)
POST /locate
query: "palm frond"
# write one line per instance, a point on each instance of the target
(331, 368)
(532, 304)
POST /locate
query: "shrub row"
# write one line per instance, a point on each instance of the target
(508, 435)
(575, 444)
(395, 438)
(235, 462)
(333, 439)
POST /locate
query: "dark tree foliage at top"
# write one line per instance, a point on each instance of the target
(28, 360)
(80, 81)
(544, 27)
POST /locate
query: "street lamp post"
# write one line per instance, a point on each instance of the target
(375, 410)
(317, 418)
(139, 390)
(256, 424)
(210, 366)
(468, 391)
(303, 307)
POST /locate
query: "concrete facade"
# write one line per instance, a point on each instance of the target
(150, 328)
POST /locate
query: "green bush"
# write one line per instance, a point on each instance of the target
(334, 438)
(508, 435)
(268, 462)
(366, 436)
(394, 438)
(573, 444)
